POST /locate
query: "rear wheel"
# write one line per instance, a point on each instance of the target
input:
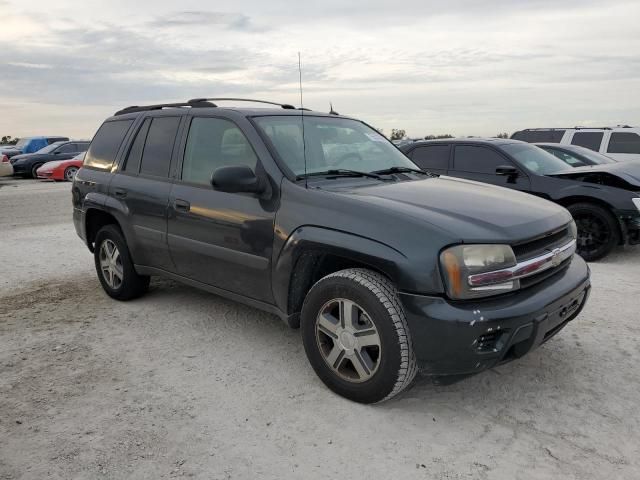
(34, 170)
(356, 336)
(70, 173)
(598, 231)
(114, 266)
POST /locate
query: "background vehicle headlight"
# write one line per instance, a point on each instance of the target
(461, 261)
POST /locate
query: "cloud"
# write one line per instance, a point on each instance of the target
(203, 18)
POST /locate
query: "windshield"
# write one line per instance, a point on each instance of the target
(535, 159)
(50, 148)
(595, 157)
(22, 142)
(330, 143)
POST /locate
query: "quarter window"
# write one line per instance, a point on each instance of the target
(624, 142)
(135, 153)
(474, 159)
(106, 143)
(213, 143)
(434, 157)
(156, 156)
(590, 140)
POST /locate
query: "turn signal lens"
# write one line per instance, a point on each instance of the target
(461, 261)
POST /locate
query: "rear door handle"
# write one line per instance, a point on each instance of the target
(120, 192)
(181, 205)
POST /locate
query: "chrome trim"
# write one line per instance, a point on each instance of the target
(525, 269)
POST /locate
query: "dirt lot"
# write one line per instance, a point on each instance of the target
(183, 383)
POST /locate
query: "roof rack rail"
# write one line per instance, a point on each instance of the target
(282, 105)
(144, 108)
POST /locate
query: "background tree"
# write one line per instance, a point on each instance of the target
(397, 134)
(502, 135)
(8, 140)
(435, 137)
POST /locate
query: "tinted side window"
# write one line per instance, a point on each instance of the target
(82, 147)
(474, 159)
(434, 156)
(214, 143)
(105, 144)
(67, 148)
(156, 156)
(135, 153)
(539, 136)
(624, 142)
(590, 140)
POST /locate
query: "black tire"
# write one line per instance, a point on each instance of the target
(131, 285)
(598, 230)
(377, 296)
(34, 170)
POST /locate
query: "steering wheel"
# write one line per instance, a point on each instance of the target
(347, 156)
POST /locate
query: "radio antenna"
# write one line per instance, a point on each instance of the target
(304, 144)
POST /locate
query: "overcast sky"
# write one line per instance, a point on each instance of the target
(463, 67)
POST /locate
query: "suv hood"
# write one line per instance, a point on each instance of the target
(470, 211)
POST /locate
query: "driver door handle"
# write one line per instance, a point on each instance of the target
(181, 205)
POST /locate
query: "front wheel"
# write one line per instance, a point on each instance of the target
(598, 231)
(356, 336)
(114, 266)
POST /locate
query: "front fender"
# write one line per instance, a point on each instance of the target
(319, 240)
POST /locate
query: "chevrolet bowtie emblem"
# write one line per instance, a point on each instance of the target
(556, 259)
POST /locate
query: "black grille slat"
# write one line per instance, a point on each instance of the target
(538, 246)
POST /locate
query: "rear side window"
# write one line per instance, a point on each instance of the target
(590, 140)
(624, 142)
(106, 143)
(67, 148)
(469, 158)
(82, 147)
(539, 136)
(156, 156)
(432, 157)
(213, 143)
(135, 153)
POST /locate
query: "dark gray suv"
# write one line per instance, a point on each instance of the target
(320, 220)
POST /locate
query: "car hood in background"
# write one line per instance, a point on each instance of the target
(620, 174)
(469, 210)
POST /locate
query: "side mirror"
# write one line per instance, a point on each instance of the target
(236, 179)
(507, 170)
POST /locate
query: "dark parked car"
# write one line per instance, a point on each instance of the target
(387, 269)
(26, 165)
(574, 155)
(604, 199)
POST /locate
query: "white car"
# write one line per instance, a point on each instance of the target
(6, 170)
(620, 143)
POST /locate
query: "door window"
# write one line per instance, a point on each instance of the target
(624, 142)
(469, 158)
(67, 148)
(213, 143)
(590, 140)
(432, 157)
(156, 155)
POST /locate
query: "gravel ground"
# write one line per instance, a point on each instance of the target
(184, 383)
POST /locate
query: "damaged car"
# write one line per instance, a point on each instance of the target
(604, 200)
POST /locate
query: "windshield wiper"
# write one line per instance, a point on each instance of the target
(391, 170)
(340, 172)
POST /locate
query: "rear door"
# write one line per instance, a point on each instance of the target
(218, 238)
(478, 162)
(142, 188)
(433, 158)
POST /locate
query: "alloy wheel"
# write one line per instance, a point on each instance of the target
(70, 173)
(348, 340)
(111, 264)
(593, 233)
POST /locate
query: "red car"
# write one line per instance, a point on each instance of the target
(61, 169)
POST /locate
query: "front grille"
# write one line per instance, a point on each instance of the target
(540, 245)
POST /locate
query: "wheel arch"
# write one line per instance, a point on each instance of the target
(95, 219)
(311, 253)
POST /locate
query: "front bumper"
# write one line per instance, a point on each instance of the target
(463, 338)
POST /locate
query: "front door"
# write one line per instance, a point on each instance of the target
(221, 239)
(479, 163)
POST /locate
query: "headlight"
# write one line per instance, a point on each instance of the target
(636, 202)
(462, 261)
(573, 230)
